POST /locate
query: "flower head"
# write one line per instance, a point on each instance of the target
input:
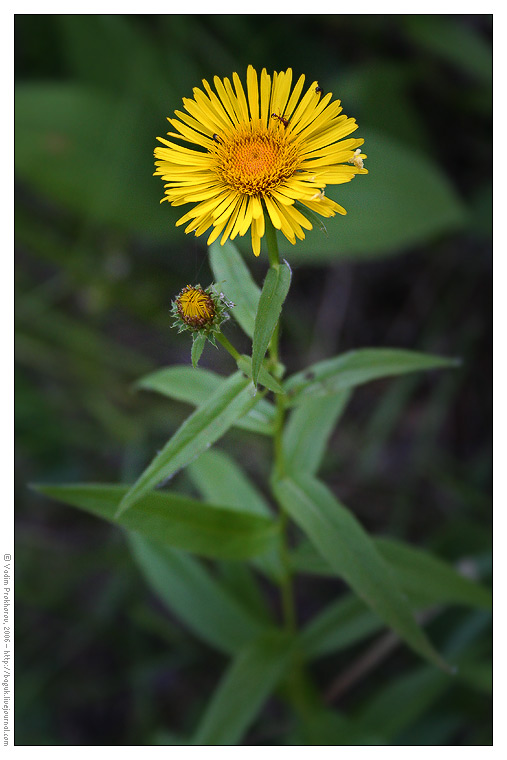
(195, 307)
(200, 310)
(270, 150)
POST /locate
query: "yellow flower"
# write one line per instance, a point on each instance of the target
(195, 306)
(268, 149)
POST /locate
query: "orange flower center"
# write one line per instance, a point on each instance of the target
(255, 159)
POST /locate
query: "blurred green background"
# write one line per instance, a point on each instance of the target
(99, 661)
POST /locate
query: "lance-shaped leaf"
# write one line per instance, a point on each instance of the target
(175, 520)
(343, 542)
(221, 481)
(247, 683)
(194, 386)
(425, 578)
(339, 625)
(198, 343)
(357, 367)
(206, 425)
(264, 377)
(400, 702)
(308, 430)
(233, 277)
(429, 579)
(274, 291)
(194, 596)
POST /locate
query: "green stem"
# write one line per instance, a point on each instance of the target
(228, 346)
(286, 586)
(297, 682)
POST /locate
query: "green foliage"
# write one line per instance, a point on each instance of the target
(250, 678)
(198, 599)
(357, 367)
(232, 273)
(405, 200)
(205, 426)
(263, 376)
(198, 343)
(175, 520)
(341, 624)
(342, 541)
(196, 385)
(421, 575)
(274, 291)
(308, 430)
(226, 566)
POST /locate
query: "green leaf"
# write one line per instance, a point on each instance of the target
(454, 40)
(308, 429)
(233, 277)
(113, 52)
(343, 542)
(429, 579)
(213, 531)
(206, 425)
(194, 596)
(194, 386)
(264, 377)
(274, 291)
(399, 703)
(390, 109)
(357, 367)
(65, 136)
(425, 578)
(198, 343)
(338, 626)
(242, 582)
(405, 200)
(245, 686)
(327, 727)
(221, 481)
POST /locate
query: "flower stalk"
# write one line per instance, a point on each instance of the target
(286, 585)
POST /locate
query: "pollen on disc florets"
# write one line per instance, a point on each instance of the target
(256, 159)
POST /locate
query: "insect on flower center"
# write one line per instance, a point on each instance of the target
(195, 307)
(256, 160)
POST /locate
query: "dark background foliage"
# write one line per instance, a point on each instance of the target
(99, 661)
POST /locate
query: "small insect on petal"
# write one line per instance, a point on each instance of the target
(281, 119)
